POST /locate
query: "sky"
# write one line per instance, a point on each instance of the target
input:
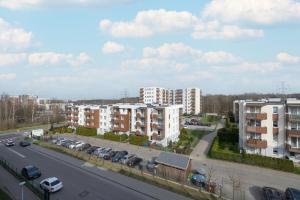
(87, 49)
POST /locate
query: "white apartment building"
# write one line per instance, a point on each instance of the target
(269, 127)
(190, 98)
(105, 118)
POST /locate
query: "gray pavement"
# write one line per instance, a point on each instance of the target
(10, 185)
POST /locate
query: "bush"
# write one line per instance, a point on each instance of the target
(86, 131)
(62, 130)
(229, 135)
(115, 137)
(140, 140)
(251, 159)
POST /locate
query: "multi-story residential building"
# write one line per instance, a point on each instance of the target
(161, 123)
(293, 127)
(269, 127)
(105, 124)
(190, 98)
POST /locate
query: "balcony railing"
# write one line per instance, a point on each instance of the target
(292, 149)
(293, 133)
(256, 116)
(293, 117)
(257, 143)
(275, 117)
(275, 130)
(256, 129)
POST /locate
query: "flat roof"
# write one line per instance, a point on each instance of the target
(173, 160)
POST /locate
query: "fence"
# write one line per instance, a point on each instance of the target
(32, 185)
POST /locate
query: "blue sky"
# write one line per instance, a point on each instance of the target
(74, 49)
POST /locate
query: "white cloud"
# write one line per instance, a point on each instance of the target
(8, 59)
(12, 37)
(112, 47)
(7, 76)
(218, 57)
(21, 4)
(245, 67)
(53, 58)
(178, 57)
(262, 11)
(149, 22)
(214, 30)
(287, 58)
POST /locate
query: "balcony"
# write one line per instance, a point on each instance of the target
(256, 129)
(275, 117)
(275, 130)
(154, 126)
(293, 133)
(68, 118)
(257, 143)
(256, 116)
(293, 117)
(156, 137)
(292, 149)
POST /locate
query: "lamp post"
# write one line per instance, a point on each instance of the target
(21, 184)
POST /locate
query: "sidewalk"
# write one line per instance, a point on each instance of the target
(10, 185)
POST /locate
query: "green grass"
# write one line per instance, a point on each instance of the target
(25, 128)
(4, 196)
(297, 170)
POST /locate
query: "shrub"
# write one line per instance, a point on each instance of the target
(140, 140)
(86, 131)
(115, 137)
(62, 130)
(251, 159)
(229, 135)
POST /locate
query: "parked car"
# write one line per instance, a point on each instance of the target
(105, 151)
(91, 149)
(272, 193)
(67, 143)
(24, 143)
(134, 161)
(126, 158)
(109, 155)
(61, 141)
(10, 143)
(31, 172)
(55, 141)
(74, 144)
(98, 151)
(51, 184)
(292, 194)
(83, 147)
(151, 164)
(119, 156)
(198, 180)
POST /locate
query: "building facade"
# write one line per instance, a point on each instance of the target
(190, 98)
(269, 127)
(160, 123)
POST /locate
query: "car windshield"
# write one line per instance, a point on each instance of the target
(55, 182)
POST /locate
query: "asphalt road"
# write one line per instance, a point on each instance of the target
(81, 180)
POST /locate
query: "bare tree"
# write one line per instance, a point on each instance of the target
(236, 184)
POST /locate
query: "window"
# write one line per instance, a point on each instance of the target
(275, 151)
(275, 137)
(275, 123)
(275, 110)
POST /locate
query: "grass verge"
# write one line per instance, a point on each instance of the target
(4, 196)
(131, 172)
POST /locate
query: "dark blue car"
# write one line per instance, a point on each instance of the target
(119, 156)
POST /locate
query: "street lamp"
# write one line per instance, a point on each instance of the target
(21, 184)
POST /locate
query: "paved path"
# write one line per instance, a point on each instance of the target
(202, 148)
(10, 185)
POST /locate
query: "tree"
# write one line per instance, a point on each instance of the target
(183, 134)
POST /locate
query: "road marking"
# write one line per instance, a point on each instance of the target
(21, 155)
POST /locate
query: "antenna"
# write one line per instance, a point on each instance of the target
(283, 90)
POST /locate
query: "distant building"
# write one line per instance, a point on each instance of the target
(269, 127)
(190, 98)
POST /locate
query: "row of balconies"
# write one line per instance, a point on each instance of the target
(292, 149)
(257, 143)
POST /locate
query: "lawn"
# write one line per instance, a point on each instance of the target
(188, 139)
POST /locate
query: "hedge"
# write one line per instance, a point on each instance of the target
(140, 140)
(62, 130)
(230, 135)
(86, 131)
(115, 137)
(251, 159)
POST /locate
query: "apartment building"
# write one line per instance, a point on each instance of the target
(190, 98)
(269, 127)
(161, 123)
